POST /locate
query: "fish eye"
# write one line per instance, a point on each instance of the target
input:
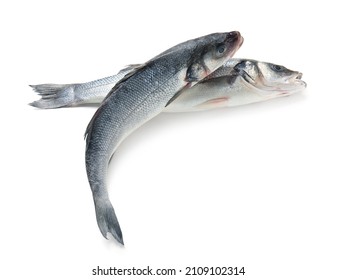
(220, 50)
(277, 68)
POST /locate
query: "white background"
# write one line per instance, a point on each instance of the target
(252, 186)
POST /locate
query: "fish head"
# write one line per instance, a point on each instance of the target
(211, 52)
(271, 80)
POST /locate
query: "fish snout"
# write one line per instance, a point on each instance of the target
(233, 36)
(234, 40)
(299, 76)
(299, 79)
(294, 77)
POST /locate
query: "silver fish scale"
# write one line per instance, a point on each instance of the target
(104, 81)
(95, 88)
(139, 98)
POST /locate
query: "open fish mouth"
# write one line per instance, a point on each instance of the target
(293, 84)
(296, 79)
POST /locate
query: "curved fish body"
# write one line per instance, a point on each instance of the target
(238, 82)
(139, 96)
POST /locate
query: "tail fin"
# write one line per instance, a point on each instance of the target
(107, 220)
(54, 95)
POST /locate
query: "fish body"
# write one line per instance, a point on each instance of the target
(139, 96)
(238, 82)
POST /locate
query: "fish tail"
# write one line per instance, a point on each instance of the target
(107, 220)
(54, 95)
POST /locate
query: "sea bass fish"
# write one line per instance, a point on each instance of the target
(138, 97)
(238, 82)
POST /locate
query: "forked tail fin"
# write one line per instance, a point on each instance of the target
(107, 220)
(54, 95)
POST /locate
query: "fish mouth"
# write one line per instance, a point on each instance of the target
(293, 84)
(296, 79)
(239, 41)
(239, 44)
